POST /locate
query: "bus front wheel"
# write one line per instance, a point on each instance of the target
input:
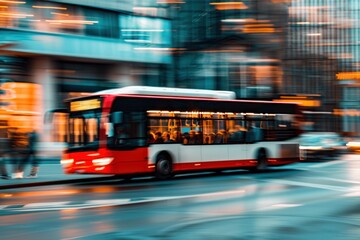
(163, 167)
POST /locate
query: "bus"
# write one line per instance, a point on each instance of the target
(138, 130)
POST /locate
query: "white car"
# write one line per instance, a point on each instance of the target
(354, 145)
(319, 145)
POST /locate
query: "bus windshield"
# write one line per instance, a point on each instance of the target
(84, 129)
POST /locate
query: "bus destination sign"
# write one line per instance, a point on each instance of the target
(85, 105)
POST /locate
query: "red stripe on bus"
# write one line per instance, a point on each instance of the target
(142, 167)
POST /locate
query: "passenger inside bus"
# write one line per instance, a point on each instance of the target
(186, 137)
(237, 134)
(209, 138)
(158, 137)
(220, 137)
(198, 137)
(175, 136)
(166, 137)
(254, 133)
(192, 137)
(151, 137)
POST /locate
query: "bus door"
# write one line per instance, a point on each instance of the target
(127, 141)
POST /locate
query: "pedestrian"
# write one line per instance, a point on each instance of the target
(19, 150)
(4, 150)
(33, 139)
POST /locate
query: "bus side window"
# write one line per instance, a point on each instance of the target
(129, 129)
(134, 125)
(116, 117)
(254, 132)
(121, 136)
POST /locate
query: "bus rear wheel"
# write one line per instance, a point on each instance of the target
(163, 167)
(262, 163)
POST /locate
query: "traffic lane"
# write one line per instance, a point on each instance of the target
(330, 218)
(189, 184)
(310, 213)
(345, 169)
(258, 213)
(55, 176)
(186, 184)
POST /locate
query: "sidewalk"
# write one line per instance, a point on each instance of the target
(50, 173)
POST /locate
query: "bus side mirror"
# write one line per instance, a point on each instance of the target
(116, 117)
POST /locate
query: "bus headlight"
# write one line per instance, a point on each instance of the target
(66, 161)
(311, 147)
(102, 161)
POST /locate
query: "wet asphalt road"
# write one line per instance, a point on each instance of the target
(307, 200)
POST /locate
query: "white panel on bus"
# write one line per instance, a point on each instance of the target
(172, 149)
(189, 153)
(238, 152)
(214, 152)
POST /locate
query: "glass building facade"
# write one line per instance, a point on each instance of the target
(304, 51)
(52, 50)
(321, 54)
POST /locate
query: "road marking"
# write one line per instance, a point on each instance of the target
(45, 204)
(352, 194)
(105, 202)
(326, 164)
(52, 206)
(73, 205)
(312, 185)
(286, 205)
(337, 180)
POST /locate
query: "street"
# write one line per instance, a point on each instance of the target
(306, 200)
(110, 110)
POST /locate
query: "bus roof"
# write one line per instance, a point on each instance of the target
(166, 91)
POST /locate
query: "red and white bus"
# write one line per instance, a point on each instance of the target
(158, 131)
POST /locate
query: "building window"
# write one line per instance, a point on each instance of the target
(144, 30)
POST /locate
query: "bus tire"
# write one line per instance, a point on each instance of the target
(163, 167)
(262, 161)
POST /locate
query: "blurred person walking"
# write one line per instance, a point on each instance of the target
(19, 151)
(31, 156)
(4, 150)
(27, 154)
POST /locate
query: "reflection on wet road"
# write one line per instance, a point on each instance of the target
(308, 200)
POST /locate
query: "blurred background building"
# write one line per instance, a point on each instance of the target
(233, 45)
(303, 51)
(322, 51)
(53, 50)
